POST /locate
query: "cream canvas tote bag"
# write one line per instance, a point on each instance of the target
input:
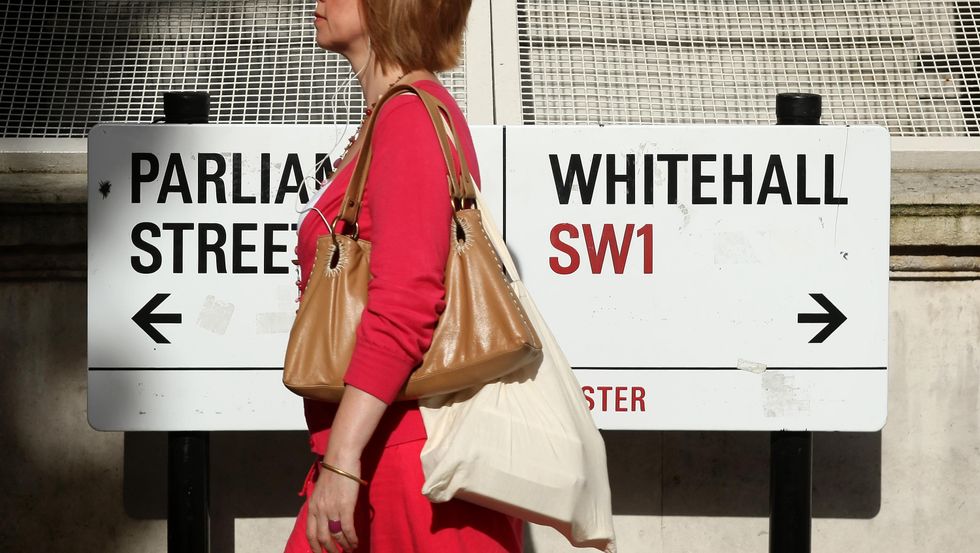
(526, 444)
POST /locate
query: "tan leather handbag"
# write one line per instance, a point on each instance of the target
(483, 333)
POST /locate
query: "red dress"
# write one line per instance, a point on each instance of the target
(406, 216)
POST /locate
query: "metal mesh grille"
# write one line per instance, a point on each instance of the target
(913, 66)
(69, 64)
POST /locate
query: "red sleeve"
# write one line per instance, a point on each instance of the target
(408, 201)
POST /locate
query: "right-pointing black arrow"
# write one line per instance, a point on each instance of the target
(833, 318)
(145, 317)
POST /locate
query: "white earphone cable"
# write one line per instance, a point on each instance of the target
(311, 204)
(346, 89)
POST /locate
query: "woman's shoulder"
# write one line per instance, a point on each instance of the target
(404, 118)
(408, 108)
(404, 108)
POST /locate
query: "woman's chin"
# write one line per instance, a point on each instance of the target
(325, 42)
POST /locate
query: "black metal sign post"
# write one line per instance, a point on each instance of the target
(188, 484)
(790, 485)
(791, 453)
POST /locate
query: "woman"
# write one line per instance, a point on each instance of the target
(366, 493)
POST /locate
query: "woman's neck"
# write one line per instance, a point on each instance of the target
(374, 83)
(376, 80)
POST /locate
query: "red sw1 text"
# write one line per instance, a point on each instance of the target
(565, 236)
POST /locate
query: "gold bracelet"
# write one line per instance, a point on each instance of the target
(332, 468)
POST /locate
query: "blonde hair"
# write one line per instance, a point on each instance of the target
(416, 34)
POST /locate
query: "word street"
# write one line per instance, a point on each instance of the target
(211, 241)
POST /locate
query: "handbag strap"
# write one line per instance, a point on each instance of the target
(461, 187)
(439, 114)
(489, 223)
(472, 192)
(496, 239)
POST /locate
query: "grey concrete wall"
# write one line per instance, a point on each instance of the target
(911, 487)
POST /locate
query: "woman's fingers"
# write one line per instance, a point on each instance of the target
(349, 535)
(318, 533)
(330, 524)
(311, 536)
(342, 540)
(323, 535)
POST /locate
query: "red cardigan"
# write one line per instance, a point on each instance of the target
(406, 216)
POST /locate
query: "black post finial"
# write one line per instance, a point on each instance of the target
(186, 107)
(798, 108)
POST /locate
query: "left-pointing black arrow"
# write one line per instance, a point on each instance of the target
(145, 318)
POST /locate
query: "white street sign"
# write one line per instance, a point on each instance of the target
(191, 287)
(710, 277)
(695, 324)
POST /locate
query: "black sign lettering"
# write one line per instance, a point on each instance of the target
(801, 197)
(236, 182)
(270, 248)
(204, 177)
(575, 173)
(204, 246)
(292, 165)
(155, 258)
(238, 247)
(672, 160)
(612, 177)
(729, 178)
(265, 172)
(210, 174)
(704, 171)
(775, 168)
(138, 176)
(648, 179)
(174, 167)
(178, 230)
(828, 186)
(699, 179)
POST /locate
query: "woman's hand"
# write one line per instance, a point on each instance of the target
(334, 495)
(334, 498)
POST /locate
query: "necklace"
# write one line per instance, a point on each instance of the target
(353, 139)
